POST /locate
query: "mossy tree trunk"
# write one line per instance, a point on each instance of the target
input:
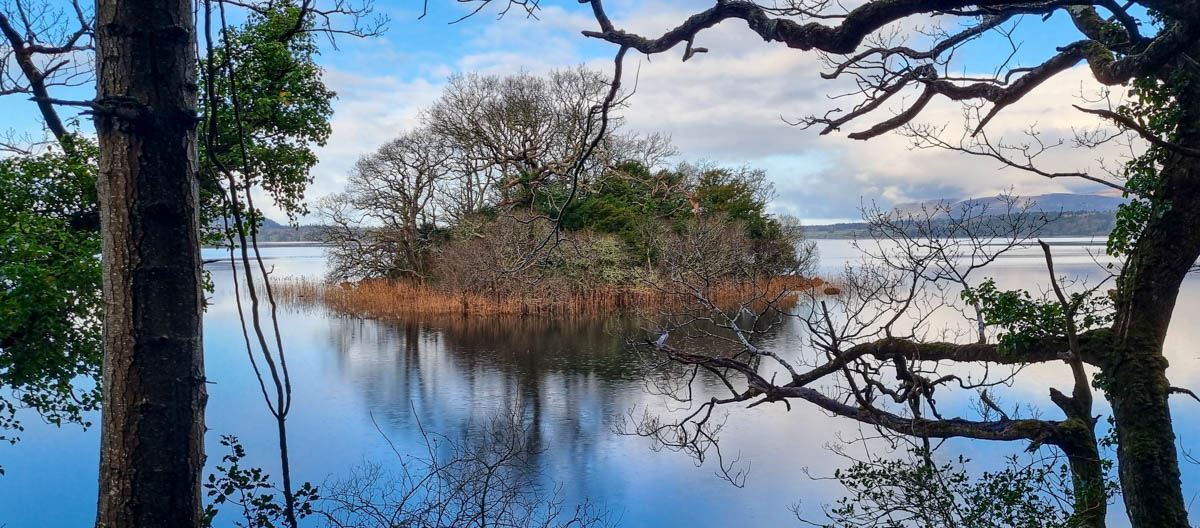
(1135, 372)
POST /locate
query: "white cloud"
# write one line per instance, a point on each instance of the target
(730, 105)
(369, 111)
(727, 105)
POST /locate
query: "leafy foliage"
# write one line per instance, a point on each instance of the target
(251, 490)
(1151, 104)
(636, 203)
(50, 302)
(1024, 320)
(284, 109)
(623, 203)
(897, 493)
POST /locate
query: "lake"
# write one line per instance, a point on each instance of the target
(363, 385)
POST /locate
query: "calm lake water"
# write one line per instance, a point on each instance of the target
(572, 380)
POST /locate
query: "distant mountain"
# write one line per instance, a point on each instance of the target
(1093, 224)
(272, 231)
(1045, 203)
(287, 233)
(219, 223)
(1071, 214)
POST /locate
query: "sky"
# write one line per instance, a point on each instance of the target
(729, 106)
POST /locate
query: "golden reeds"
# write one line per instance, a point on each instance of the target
(384, 299)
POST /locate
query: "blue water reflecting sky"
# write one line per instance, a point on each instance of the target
(570, 379)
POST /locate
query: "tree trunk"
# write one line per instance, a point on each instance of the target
(1136, 371)
(151, 447)
(1078, 441)
(1087, 475)
(1138, 386)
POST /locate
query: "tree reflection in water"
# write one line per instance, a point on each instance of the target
(570, 381)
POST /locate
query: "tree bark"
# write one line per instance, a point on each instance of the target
(1076, 437)
(151, 447)
(1136, 371)
(1087, 476)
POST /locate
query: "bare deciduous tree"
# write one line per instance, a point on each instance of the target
(490, 143)
(531, 129)
(947, 243)
(382, 222)
(45, 47)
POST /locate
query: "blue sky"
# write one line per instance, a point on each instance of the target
(727, 106)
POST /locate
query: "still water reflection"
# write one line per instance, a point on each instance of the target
(571, 380)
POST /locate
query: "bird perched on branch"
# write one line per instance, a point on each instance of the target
(661, 341)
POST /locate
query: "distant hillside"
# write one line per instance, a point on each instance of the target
(286, 233)
(271, 224)
(1045, 203)
(1097, 224)
(272, 231)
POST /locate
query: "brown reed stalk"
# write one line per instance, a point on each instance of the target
(384, 299)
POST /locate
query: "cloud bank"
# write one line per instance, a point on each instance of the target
(729, 106)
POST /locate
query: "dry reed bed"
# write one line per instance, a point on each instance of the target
(383, 299)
